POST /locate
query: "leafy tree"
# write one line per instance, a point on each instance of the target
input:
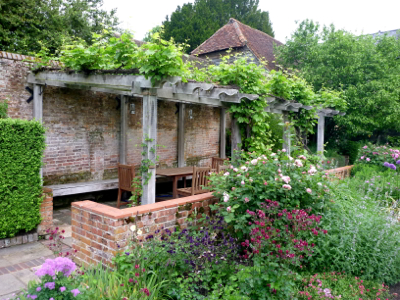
(149, 35)
(366, 69)
(194, 23)
(26, 23)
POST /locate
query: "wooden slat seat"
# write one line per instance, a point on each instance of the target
(216, 161)
(126, 174)
(199, 180)
(221, 168)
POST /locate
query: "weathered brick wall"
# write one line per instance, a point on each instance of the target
(46, 211)
(100, 231)
(83, 128)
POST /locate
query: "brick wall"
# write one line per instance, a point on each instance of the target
(100, 231)
(46, 211)
(83, 128)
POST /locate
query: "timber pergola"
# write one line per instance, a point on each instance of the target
(170, 89)
(282, 106)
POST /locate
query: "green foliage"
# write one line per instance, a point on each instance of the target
(27, 23)
(196, 22)
(364, 68)
(251, 115)
(272, 176)
(157, 59)
(21, 150)
(363, 239)
(251, 79)
(334, 285)
(107, 284)
(196, 261)
(3, 109)
(105, 53)
(160, 59)
(149, 35)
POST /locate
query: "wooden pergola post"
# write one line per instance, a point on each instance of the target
(38, 108)
(222, 143)
(124, 127)
(321, 133)
(236, 137)
(181, 135)
(286, 132)
(150, 142)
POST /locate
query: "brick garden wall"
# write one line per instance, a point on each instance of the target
(100, 231)
(46, 211)
(83, 128)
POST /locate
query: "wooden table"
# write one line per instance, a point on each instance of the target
(175, 173)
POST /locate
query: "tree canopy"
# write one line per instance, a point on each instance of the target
(365, 68)
(193, 23)
(25, 24)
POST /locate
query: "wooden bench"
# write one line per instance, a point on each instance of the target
(83, 187)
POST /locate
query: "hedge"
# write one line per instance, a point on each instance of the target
(21, 150)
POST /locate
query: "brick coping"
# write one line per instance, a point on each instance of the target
(116, 213)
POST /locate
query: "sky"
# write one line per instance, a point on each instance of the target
(356, 16)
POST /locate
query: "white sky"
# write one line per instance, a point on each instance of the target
(357, 16)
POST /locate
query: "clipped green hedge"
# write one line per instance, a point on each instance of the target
(21, 149)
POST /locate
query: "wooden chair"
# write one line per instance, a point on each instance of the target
(216, 161)
(126, 173)
(199, 180)
(221, 168)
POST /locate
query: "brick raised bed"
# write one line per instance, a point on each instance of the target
(100, 231)
(46, 211)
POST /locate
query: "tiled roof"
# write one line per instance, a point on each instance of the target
(394, 32)
(235, 35)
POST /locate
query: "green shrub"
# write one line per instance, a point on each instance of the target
(362, 239)
(21, 149)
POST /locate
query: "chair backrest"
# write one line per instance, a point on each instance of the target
(222, 168)
(200, 179)
(126, 173)
(216, 161)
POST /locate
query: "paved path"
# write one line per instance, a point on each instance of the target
(17, 265)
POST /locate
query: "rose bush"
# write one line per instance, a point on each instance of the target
(294, 182)
(378, 155)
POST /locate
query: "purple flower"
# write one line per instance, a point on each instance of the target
(75, 292)
(386, 164)
(38, 289)
(53, 266)
(398, 162)
(33, 296)
(51, 298)
(62, 289)
(50, 285)
(392, 166)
